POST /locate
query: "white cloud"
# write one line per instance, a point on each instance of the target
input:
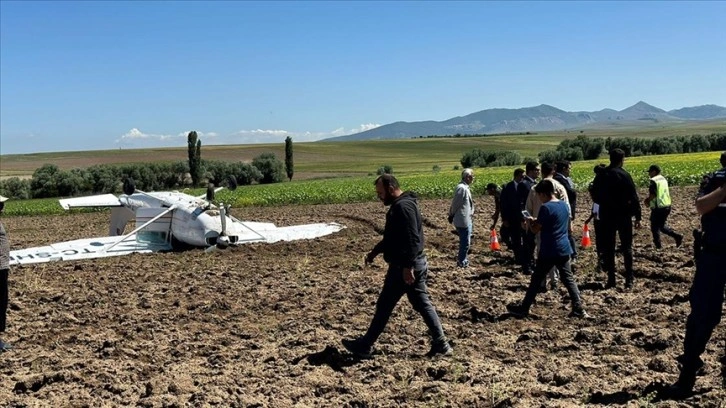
(135, 138)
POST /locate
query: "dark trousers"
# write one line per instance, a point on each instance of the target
(658, 217)
(544, 264)
(571, 238)
(706, 298)
(393, 289)
(515, 232)
(528, 247)
(3, 297)
(623, 227)
(598, 240)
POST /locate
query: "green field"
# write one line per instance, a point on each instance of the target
(343, 172)
(683, 169)
(342, 159)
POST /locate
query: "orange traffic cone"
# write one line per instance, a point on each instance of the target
(585, 237)
(494, 241)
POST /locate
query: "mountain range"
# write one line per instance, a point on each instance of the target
(537, 119)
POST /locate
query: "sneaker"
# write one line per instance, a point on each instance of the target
(440, 349)
(358, 348)
(518, 311)
(580, 313)
(5, 346)
(679, 241)
(629, 284)
(464, 264)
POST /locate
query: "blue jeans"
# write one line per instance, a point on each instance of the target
(464, 244)
(394, 288)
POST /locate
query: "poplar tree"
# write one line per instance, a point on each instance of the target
(288, 158)
(195, 157)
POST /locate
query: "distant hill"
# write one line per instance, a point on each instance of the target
(536, 119)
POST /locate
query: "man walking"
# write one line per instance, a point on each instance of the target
(460, 214)
(615, 191)
(402, 248)
(659, 201)
(552, 223)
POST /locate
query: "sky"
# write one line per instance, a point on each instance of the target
(98, 75)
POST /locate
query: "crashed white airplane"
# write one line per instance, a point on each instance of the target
(165, 220)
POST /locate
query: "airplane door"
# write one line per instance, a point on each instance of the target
(156, 232)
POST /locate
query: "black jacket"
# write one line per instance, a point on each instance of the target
(615, 191)
(571, 192)
(510, 203)
(403, 237)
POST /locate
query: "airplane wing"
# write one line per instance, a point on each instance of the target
(102, 200)
(270, 233)
(85, 249)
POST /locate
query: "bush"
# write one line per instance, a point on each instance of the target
(15, 188)
(385, 169)
(272, 169)
(481, 158)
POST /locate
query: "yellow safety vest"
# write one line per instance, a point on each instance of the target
(662, 196)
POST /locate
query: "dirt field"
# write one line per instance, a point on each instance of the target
(260, 325)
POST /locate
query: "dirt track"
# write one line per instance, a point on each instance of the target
(260, 325)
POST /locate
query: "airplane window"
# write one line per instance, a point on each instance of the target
(152, 237)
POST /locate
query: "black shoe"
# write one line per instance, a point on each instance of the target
(440, 349)
(5, 346)
(679, 390)
(358, 348)
(518, 311)
(610, 284)
(679, 241)
(629, 283)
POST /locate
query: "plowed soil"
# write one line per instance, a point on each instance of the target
(260, 325)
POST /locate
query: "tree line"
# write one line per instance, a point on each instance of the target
(591, 148)
(50, 181)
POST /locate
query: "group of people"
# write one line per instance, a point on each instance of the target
(539, 215)
(536, 215)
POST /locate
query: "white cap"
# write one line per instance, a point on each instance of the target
(3, 199)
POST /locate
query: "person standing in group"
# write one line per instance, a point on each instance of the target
(659, 201)
(534, 203)
(595, 218)
(615, 191)
(532, 172)
(494, 191)
(4, 271)
(563, 169)
(511, 211)
(552, 223)
(402, 247)
(460, 214)
(707, 291)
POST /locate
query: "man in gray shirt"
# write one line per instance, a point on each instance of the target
(460, 214)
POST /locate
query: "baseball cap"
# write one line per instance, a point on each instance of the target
(654, 168)
(3, 199)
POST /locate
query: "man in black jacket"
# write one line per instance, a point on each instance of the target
(563, 169)
(511, 212)
(402, 248)
(528, 241)
(615, 191)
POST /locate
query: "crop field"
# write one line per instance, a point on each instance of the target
(681, 169)
(349, 159)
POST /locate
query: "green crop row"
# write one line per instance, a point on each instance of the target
(683, 169)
